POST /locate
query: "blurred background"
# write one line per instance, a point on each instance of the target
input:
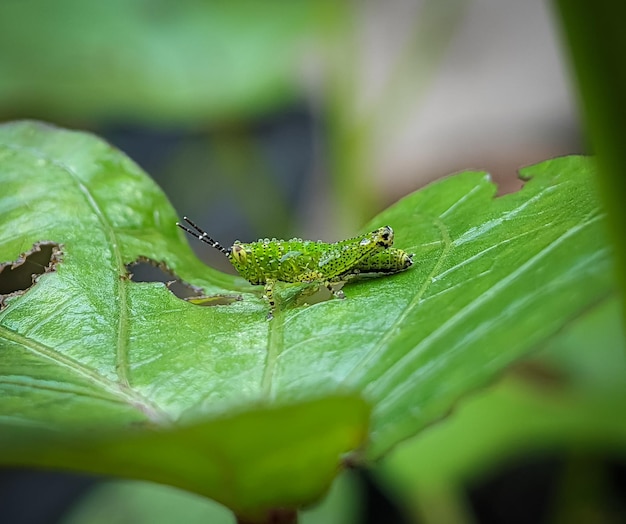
(279, 119)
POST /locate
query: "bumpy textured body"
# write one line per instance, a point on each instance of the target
(298, 260)
(267, 261)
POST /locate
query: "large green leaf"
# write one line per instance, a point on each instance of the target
(191, 395)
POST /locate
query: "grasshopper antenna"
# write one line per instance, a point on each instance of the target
(202, 235)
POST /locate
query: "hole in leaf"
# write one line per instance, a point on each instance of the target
(17, 277)
(148, 270)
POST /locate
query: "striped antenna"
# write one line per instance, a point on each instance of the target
(202, 235)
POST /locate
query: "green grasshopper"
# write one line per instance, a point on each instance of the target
(266, 261)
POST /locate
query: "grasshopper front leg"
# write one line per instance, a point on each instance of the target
(337, 293)
(269, 295)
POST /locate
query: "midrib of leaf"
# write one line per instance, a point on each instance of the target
(275, 346)
(389, 378)
(123, 386)
(390, 332)
(121, 366)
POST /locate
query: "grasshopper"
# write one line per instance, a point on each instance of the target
(268, 261)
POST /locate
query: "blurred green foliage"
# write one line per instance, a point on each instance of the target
(569, 399)
(596, 42)
(201, 65)
(151, 61)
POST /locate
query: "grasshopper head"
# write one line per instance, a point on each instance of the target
(383, 236)
(242, 259)
(238, 254)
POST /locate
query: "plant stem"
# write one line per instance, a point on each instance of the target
(594, 33)
(273, 516)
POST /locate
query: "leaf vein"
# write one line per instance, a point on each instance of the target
(389, 332)
(57, 387)
(122, 328)
(126, 395)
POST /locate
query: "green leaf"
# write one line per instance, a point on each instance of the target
(250, 461)
(162, 389)
(100, 373)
